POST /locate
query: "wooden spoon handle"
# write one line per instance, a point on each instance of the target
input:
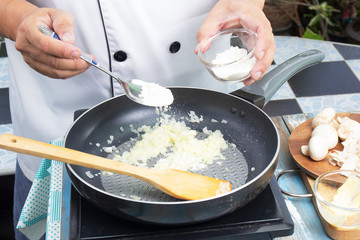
(180, 184)
(66, 155)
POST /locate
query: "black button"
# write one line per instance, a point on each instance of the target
(174, 47)
(120, 56)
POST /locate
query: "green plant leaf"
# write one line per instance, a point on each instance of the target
(314, 21)
(311, 35)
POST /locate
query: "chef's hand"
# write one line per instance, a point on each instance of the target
(49, 56)
(248, 14)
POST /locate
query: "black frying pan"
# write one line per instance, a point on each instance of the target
(249, 166)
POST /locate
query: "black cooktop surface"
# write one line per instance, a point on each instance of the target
(265, 217)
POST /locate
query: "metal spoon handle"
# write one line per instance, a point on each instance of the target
(88, 59)
(85, 57)
(133, 91)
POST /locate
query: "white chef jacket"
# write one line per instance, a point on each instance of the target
(42, 108)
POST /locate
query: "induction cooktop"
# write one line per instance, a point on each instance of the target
(265, 217)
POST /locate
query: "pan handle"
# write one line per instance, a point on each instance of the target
(260, 92)
(294, 195)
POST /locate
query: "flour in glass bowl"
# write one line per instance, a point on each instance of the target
(154, 94)
(233, 64)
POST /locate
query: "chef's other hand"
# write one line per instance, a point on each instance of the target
(49, 56)
(248, 14)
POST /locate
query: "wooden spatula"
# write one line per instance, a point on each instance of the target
(179, 184)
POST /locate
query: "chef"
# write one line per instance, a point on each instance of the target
(153, 41)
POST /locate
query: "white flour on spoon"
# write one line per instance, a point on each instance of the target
(154, 94)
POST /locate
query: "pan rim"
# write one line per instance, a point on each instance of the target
(180, 202)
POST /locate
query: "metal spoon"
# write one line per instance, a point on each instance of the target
(133, 91)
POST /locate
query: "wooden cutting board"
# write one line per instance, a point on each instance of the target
(312, 169)
(301, 136)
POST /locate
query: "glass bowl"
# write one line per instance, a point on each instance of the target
(337, 195)
(229, 55)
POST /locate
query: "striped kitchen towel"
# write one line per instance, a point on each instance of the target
(42, 210)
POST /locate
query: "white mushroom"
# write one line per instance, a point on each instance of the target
(328, 132)
(335, 124)
(347, 126)
(325, 116)
(318, 148)
(350, 155)
(305, 150)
